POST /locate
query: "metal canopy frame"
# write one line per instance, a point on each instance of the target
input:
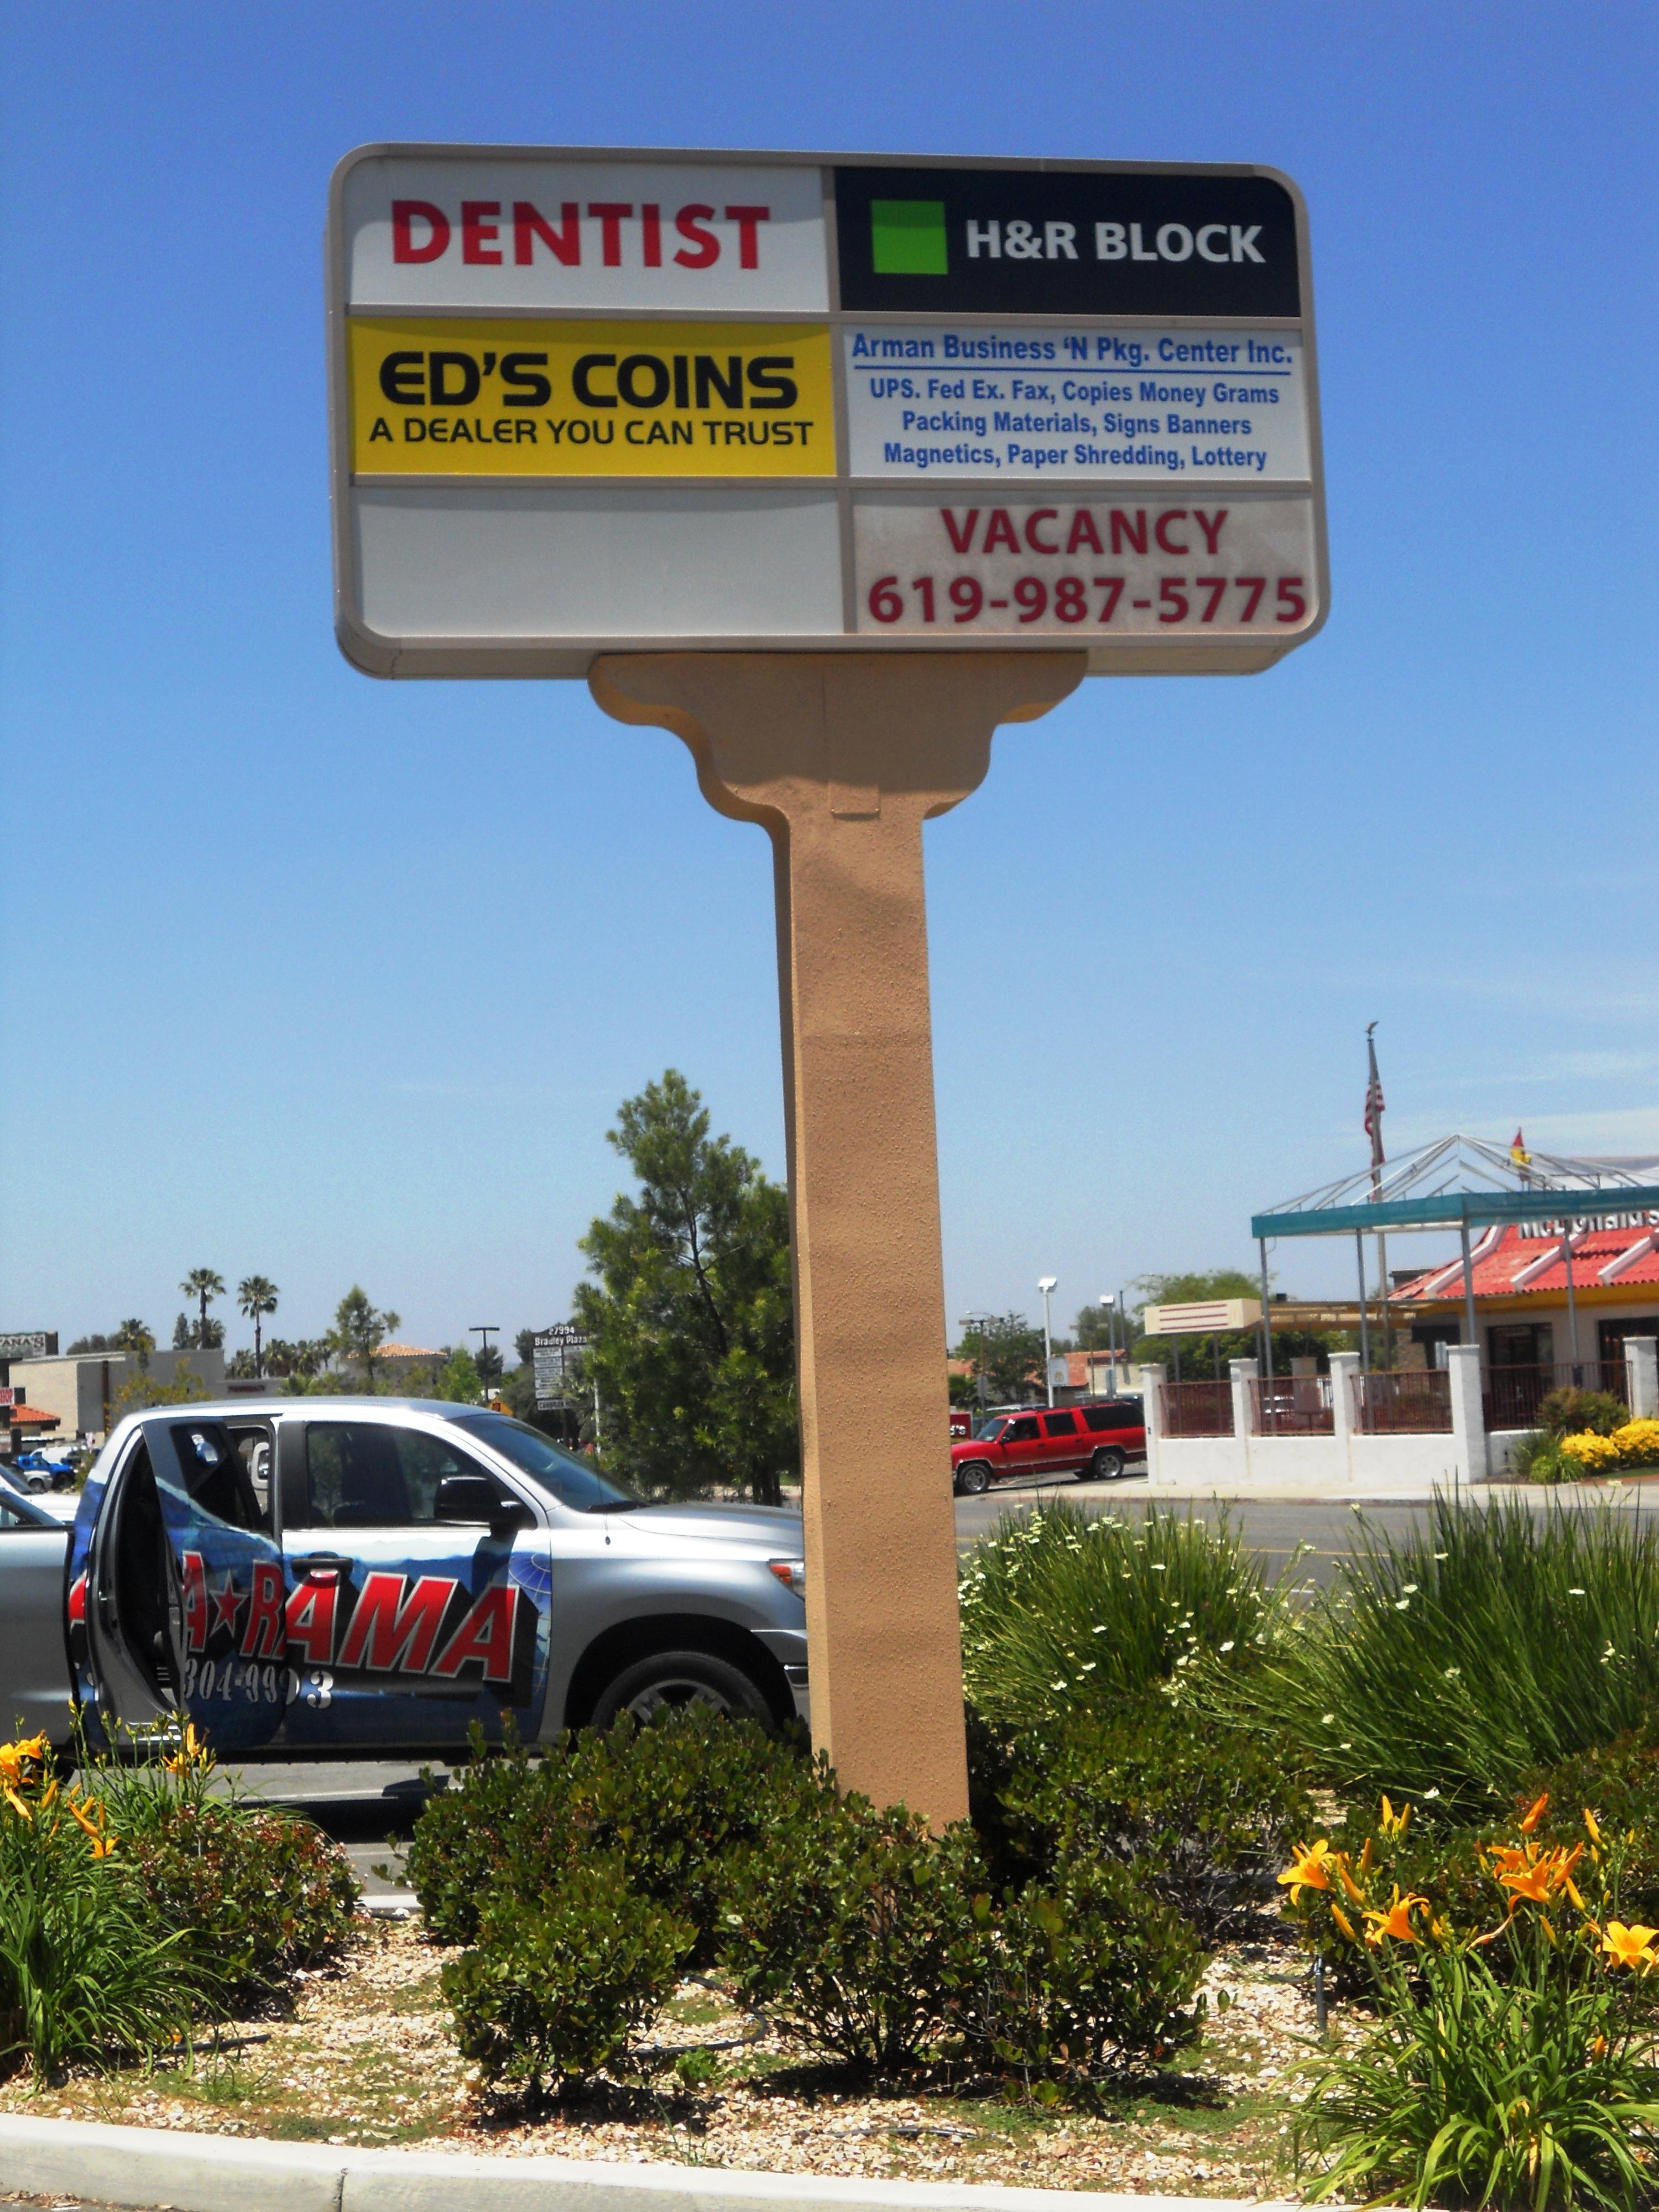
(1461, 1181)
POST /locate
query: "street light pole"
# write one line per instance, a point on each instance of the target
(1047, 1287)
(1109, 1307)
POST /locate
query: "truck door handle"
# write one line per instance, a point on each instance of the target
(322, 1563)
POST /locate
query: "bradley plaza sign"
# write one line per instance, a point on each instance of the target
(587, 402)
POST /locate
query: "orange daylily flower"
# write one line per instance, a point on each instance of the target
(1356, 1895)
(1535, 1813)
(1396, 1922)
(1590, 1828)
(1630, 1946)
(1392, 1823)
(1344, 1923)
(1310, 1870)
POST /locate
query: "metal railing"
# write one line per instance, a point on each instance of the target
(1198, 1409)
(1513, 1395)
(1405, 1403)
(1292, 1405)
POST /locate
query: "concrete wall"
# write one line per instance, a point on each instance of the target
(1273, 1466)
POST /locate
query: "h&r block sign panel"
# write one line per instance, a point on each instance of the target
(595, 401)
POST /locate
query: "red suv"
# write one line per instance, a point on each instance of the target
(1098, 1440)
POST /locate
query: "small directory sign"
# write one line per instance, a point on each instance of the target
(585, 401)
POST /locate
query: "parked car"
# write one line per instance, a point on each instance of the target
(327, 1576)
(1096, 1440)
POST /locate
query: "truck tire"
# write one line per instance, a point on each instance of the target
(649, 1685)
(1107, 1464)
(974, 1480)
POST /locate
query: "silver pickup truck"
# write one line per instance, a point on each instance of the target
(325, 1576)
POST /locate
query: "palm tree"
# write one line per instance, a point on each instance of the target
(135, 1338)
(360, 1330)
(203, 1284)
(255, 1295)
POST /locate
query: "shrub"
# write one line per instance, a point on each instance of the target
(1061, 1613)
(677, 1801)
(1072, 1979)
(1204, 1814)
(1571, 1409)
(87, 1970)
(846, 1928)
(556, 1991)
(1450, 1660)
(1536, 1457)
(1511, 2063)
(1620, 1782)
(1631, 1444)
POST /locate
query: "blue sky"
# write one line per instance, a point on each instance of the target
(338, 981)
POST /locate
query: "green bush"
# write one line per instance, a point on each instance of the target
(846, 1928)
(1072, 1979)
(1538, 1457)
(1570, 1412)
(678, 1802)
(556, 1993)
(1205, 1815)
(1449, 1662)
(1062, 1614)
(256, 1895)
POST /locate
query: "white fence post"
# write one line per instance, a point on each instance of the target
(1344, 1366)
(1151, 1408)
(1468, 1415)
(1642, 1376)
(1242, 1372)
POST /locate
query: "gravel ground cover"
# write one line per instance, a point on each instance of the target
(368, 2058)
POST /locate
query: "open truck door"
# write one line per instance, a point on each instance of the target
(176, 1585)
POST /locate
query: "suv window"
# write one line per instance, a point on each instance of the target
(367, 1474)
(1060, 1425)
(1022, 1432)
(1111, 1417)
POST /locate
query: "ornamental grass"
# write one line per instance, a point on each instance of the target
(1447, 1663)
(1062, 1614)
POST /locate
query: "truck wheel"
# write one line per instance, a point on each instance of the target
(668, 1678)
(1107, 1464)
(974, 1480)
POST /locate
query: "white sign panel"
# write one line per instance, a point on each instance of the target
(590, 401)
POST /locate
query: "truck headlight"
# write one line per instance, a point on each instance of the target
(792, 1573)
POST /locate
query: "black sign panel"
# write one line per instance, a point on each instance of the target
(1064, 242)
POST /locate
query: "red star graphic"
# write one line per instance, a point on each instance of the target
(227, 1604)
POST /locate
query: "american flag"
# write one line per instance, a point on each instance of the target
(1374, 1103)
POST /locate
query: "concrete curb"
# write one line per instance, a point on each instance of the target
(150, 2167)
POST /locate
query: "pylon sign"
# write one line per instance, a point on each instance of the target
(589, 401)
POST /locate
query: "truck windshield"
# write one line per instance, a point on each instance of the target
(571, 1481)
(989, 1432)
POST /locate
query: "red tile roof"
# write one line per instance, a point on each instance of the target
(31, 1417)
(1507, 1264)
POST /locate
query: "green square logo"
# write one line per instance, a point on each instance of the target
(906, 238)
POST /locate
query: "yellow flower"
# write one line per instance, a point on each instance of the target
(1356, 1895)
(1590, 1828)
(1630, 1946)
(1344, 1923)
(1396, 1922)
(14, 1801)
(1392, 1823)
(1535, 1813)
(1367, 1857)
(1310, 1871)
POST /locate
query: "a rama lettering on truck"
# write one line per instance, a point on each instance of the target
(587, 401)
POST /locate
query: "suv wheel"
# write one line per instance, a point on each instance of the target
(1107, 1464)
(667, 1678)
(974, 1480)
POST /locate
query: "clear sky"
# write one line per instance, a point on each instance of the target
(334, 979)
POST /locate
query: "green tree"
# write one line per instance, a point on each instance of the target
(1006, 1351)
(203, 1284)
(256, 1297)
(691, 1318)
(184, 1334)
(458, 1379)
(360, 1330)
(135, 1339)
(1197, 1355)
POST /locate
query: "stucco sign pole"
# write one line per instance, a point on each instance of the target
(830, 466)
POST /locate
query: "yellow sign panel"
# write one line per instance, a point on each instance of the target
(455, 396)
